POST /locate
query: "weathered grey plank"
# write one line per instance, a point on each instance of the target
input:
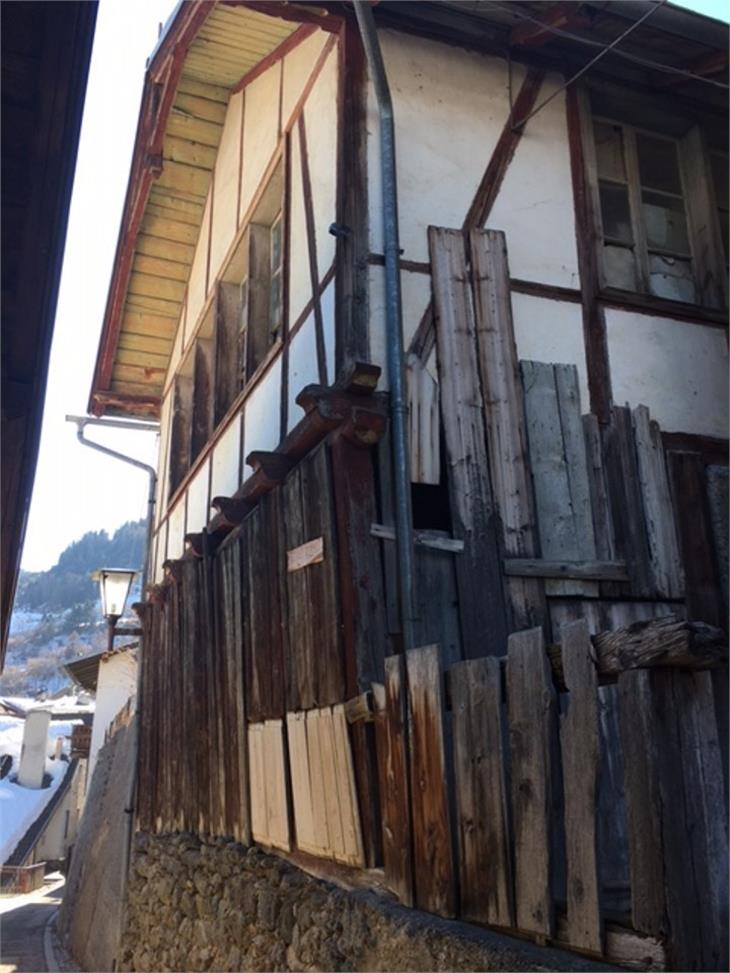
(566, 383)
(560, 536)
(627, 512)
(479, 570)
(601, 510)
(424, 422)
(532, 713)
(485, 868)
(505, 416)
(432, 851)
(678, 841)
(580, 750)
(664, 559)
(577, 570)
(437, 603)
(391, 730)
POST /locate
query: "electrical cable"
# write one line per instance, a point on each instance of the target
(590, 64)
(637, 59)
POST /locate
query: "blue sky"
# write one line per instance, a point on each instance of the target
(77, 489)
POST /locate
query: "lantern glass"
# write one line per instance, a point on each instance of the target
(114, 584)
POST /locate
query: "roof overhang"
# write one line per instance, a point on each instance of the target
(204, 52)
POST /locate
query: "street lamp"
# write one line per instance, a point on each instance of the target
(114, 584)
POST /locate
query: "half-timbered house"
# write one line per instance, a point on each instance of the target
(505, 732)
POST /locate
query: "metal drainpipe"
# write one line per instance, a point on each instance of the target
(393, 321)
(81, 423)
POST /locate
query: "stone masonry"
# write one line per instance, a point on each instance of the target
(215, 905)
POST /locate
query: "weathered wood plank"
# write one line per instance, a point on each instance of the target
(692, 519)
(437, 604)
(436, 540)
(664, 560)
(678, 841)
(579, 570)
(479, 574)
(318, 516)
(624, 492)
(485, 868)
(531, 702)
(392, 730)
(580, 750)
(566, 383)
(423, 422)
(600, 506)
(301, 672)
(505, 416)
(354, 853)
(432, 843)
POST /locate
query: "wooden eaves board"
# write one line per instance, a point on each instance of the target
(214, 47)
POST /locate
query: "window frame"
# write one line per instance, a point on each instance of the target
(708, 266)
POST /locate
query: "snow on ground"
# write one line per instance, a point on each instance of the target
(20, 806)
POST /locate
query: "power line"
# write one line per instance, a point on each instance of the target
(637, 59)
(578, 74)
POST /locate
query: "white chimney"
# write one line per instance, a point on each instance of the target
(33, 754)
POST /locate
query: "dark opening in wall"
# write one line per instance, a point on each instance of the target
(431, 509)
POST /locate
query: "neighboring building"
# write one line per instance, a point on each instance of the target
(112, 677)
(564, 252)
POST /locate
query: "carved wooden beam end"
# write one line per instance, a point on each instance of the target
(231, 510)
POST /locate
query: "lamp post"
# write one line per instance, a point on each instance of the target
(114, 584)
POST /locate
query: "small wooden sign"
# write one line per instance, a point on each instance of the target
(310, 553)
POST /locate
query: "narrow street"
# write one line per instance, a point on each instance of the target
(23, 920)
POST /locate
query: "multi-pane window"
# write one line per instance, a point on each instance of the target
(646, 239)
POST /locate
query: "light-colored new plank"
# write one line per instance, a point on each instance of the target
(332, 801)
(277, 809)
(312, 552)
(346, 787)
(320, 833)
(259, 816)
(296, 728)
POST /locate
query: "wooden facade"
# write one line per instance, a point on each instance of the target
(515, 768)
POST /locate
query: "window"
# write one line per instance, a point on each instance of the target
(646, 236)
(250, 298)
(235, 337)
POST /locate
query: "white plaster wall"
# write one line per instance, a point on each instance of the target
(320, 117)
(225, 189)
(551, 331)
(163, 457)
(680, 371)
(60, 832)
(302, 367)
(198, 513)
(535, 204)
(197, 280)
(262, 417)
(226, 457)
(450, 106)
(117, 682)
(260, 130)
(176, 530)
(298, 66)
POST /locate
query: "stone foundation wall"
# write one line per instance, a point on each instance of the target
(214, 905)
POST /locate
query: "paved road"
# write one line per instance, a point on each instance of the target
(23, 921)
